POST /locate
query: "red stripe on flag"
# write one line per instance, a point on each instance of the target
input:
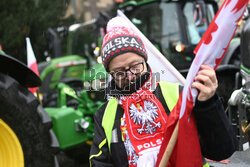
(187, 150)
(34, 68)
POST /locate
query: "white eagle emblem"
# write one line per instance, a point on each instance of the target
(145, 116)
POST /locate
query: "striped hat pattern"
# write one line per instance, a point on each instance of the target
(120, 39)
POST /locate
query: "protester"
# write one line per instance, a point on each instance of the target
(129, 126)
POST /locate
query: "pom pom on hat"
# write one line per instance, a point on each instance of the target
(117, 22)
(120, 38)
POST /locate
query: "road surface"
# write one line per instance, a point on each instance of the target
(238, 159)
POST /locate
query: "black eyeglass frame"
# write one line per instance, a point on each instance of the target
(129, 69)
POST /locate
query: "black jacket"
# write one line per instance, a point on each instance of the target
(216, 134)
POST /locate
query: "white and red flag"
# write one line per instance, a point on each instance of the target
(211, 51)
(31, 61)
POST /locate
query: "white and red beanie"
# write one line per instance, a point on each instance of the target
(120, 39)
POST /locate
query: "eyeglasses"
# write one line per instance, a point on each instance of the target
(134, 69)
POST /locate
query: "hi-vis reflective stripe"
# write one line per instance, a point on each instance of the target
(170, 92)
(206, 165)
(100, 152)
(108, 119)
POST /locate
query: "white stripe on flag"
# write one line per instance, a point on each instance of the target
(30, 54)
(214, 44)
(156, 60)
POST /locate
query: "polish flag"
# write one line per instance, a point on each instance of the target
(210, 50)
(31, 61)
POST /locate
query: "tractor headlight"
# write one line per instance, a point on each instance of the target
(179, 48)
(99, 59)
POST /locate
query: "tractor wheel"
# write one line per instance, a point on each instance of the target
(26, 138)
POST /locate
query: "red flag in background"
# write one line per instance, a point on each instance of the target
(211, 51)
(31, 61)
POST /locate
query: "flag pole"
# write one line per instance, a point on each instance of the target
(38, 96)
(170, 147)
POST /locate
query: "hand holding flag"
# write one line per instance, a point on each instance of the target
(210, 51)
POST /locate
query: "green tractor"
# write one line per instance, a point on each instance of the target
(72, 108)
(74, 126)
(175, 27)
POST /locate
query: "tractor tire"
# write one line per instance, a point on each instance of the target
(226, 82)
(26, 138)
